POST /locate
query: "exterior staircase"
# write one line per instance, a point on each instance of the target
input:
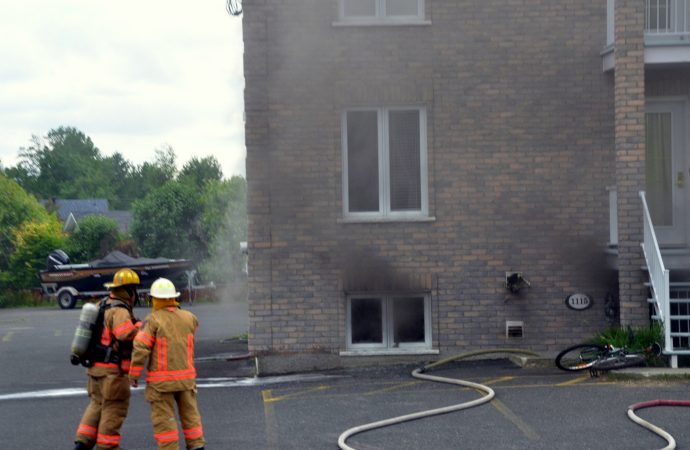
(669, 290)
(678, 312)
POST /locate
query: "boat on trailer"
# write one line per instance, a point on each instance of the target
(67, 283)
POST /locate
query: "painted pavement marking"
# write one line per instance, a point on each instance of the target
(270, 420)
(575, 380)
(395, 387)
(517, 421)
(498, 380)
(268, 397)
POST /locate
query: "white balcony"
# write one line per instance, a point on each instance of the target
(667, 33)
(667, 19)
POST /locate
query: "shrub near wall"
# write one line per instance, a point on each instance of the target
(27, 234)
(33, 242)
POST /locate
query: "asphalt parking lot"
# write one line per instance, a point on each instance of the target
(536, 408)
(533, 409)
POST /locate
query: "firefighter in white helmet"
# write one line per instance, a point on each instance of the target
(107, 378)
(167, 341)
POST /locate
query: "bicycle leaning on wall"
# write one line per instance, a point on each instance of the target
(601, 358)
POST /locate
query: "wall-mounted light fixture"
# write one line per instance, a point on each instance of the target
(515, 281)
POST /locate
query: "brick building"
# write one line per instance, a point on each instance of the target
(405, 158)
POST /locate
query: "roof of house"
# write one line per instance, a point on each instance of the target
(80, 208)
(123, 219)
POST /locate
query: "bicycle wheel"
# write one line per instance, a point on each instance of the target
(619, 362)
(579, 357)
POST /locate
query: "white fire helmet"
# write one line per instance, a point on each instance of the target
(163, 288)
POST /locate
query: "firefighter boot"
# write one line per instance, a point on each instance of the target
(81, 446)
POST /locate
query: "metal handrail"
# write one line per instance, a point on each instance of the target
(658, 273)
(663, 18)
(667, 17)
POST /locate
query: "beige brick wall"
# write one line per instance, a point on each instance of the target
(630, 157)
(520, 151)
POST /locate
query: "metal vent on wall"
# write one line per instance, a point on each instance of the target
(514, 329)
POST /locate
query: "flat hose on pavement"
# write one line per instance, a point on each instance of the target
(651, 427)
(419, 373)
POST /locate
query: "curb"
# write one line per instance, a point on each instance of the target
(225, 357)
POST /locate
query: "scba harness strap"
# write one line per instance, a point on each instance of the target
(97, 352)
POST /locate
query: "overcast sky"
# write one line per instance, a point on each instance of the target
(134, 76)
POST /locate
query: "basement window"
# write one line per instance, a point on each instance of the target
(388, 322)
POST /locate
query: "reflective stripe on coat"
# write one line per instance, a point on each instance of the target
(167, 341)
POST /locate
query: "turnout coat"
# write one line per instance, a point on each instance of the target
(167, 340)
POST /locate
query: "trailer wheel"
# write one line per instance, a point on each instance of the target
(66, 300)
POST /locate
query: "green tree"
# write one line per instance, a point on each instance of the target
(96, 237)
(224, 220)
(119, 175)
(199, 171)
(16, 207)
(66, 164)
(166, 223)
(152, 175)
(34, 240)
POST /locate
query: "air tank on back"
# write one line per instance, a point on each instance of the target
(83, 333)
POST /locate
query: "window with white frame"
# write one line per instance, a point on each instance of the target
(384, 163)
(388, 322)
(381, 10)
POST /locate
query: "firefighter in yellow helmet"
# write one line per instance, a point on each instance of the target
(167, 341)
(108, 386)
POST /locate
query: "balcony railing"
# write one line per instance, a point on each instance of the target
(667, 17)
(663, 18)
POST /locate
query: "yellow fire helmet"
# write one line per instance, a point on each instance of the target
(123, 277)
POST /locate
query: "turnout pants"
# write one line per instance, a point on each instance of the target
(163, 418)
(108, 403)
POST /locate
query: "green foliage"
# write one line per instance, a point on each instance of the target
(166, 223)
(67, 164)
(96, 237)
(179, 221)
(634, 338)
(33, 242)
(16, 208)
(199, 172)
(225, 220)
(119, 175)
(151, 176)
(12, 298)
(195, 214)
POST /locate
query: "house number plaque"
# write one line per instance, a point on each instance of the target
(578, 301)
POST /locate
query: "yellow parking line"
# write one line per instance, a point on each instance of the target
(392, 388)
(270, 422)
(268, 397)
(510, 415)
(498, 380)
(575, 380)
(8, 336)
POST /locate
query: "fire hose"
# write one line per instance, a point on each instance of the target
(651, 427)
(419, 373)
(489, 394)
